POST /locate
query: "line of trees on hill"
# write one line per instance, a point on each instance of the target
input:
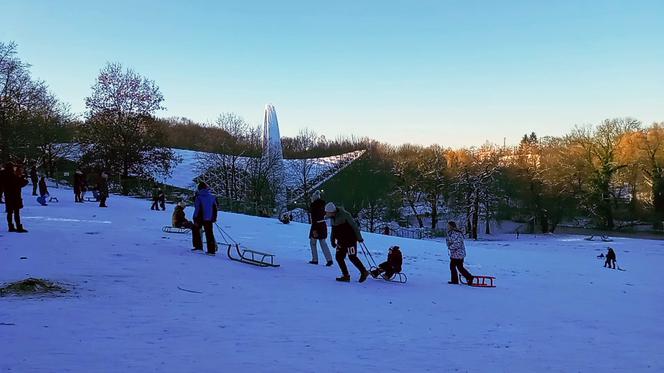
(609, 175)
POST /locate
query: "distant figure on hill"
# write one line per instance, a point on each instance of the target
(158, 200)
(345, 236)
(205, 214)
(318, 230)
(179, 219)
(13, 180)
(610, 261)
(43, 191)
(285, 218)
(457, 249)
(35, 180)
(391, 266)
(79, 185)
(102, 189)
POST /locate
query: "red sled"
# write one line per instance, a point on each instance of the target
(480, 281)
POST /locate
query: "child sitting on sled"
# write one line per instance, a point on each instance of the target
(179, 219)
(391, 266)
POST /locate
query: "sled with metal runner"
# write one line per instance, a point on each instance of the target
(398, 277)
(169, 229)
(241, 254)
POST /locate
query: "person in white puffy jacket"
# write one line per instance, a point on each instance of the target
(457, 250)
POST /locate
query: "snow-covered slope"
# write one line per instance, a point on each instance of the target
(186, 171)
(555, 307)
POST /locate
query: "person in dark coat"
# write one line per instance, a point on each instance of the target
(345, 236)
(43, 191)
(34, 178)
(457, 249)
(13, 181)
(179, 219)
(158, 200)
(318, 230)
(610, 261)
(391, 266)
(102, 189)
(78, 185)
(205, 214)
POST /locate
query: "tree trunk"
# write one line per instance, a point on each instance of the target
(475, 219)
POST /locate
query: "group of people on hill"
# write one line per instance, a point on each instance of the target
(345, 237)
(100, 191)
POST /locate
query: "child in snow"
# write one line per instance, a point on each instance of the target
(179, 219)
(610, 259)
(391, 266)
(457, 249)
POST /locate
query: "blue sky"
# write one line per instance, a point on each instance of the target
(457, 73)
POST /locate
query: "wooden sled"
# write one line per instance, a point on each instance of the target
(169, 229)
(480, 281)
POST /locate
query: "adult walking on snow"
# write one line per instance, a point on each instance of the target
(205, 214)
(102, 189)
(318, 231)
(457, 249)
(345, 236)
(34, 178)
(78, 186)
(13, 181)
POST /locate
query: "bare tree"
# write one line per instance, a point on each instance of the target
(120, 134)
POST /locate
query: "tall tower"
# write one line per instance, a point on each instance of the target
(273, 155)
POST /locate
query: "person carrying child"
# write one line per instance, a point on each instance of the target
(390, 267)
(610, 261)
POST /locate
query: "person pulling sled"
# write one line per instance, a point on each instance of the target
(457, 250)
(205, 214)
(345, 236)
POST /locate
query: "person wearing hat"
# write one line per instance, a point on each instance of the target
(345, 236)
(13, 181)
(457, 250)
(205, 214)
(102, 189)
(179, 220)
(318, 231)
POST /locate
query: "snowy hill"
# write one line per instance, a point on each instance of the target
(555, 307)
(186, 171)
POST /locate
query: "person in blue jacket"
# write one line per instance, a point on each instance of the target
(205, 214)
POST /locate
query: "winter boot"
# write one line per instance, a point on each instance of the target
(313, 262)
(11, 228)
(196, 249)
(329, 263)
(363, 276)
(343, 279)
(20, 229)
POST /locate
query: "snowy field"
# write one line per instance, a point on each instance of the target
(555, 308)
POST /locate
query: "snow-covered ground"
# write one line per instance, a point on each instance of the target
(186, 171)
(555, 307)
